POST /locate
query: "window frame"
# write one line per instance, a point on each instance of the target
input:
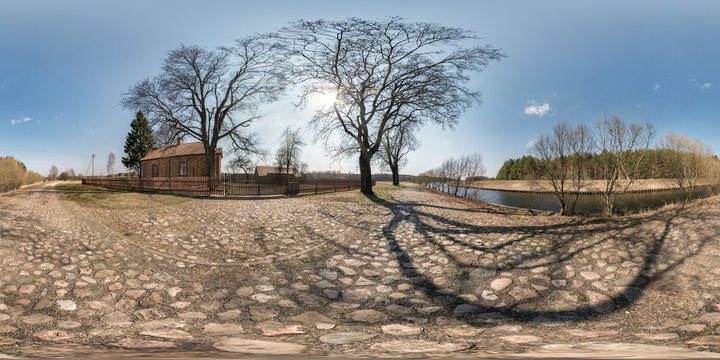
(154, 170)
(182, 168)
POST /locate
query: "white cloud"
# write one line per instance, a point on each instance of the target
(20, 120)
(539, 110)
(530, 143)
(657, 86)
(706, 85)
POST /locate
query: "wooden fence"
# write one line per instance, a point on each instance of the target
(223, 188)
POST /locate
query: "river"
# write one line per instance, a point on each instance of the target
(586, 204)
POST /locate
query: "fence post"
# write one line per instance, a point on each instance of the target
(258, 187)
(170, 177)
(315, 186)
(226, 186)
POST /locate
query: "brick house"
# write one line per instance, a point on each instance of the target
(181, 161)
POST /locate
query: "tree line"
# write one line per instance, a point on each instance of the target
(454, 172)
(14, 174)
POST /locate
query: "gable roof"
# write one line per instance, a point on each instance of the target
(195, 148)
(265, 170)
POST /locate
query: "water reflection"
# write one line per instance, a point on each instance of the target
(586, 204)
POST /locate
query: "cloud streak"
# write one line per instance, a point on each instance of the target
(537, 110)
(20, 120)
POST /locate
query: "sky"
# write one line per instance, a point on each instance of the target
(65, 65)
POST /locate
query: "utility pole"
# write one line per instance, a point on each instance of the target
(91, 165)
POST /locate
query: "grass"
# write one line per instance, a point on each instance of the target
(97, 197)
(382, 189)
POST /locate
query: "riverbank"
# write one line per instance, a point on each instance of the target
(593, 186)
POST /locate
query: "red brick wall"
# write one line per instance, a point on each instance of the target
(171, 166)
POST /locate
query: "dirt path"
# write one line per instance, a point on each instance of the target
(415, 273)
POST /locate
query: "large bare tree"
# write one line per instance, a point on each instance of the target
(616, 141)
(383, 74)
(396, 145)
(211, 95)
(559, 158)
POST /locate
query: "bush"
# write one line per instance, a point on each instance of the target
(12, 174)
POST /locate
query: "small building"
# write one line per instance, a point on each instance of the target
(181, 160)
(274, 174)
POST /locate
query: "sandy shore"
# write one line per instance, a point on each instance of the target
(594, 186)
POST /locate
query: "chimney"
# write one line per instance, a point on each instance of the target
(180, 141)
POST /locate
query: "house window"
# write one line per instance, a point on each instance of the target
(154, 171)
(183, 168)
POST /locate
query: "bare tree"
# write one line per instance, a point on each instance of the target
(383, 74)
(396, 145)
(552, 155)
(211, 95)
(689, 160)
(111, 164)
(288, 153)
(53, 173)
(241, 162)
(616, 141)
(560, 159)
(473, 166)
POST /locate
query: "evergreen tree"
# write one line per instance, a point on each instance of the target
(138, 143)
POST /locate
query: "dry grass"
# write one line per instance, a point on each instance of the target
(382, 189)
(97, 197)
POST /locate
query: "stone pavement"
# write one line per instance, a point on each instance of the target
(417, 272)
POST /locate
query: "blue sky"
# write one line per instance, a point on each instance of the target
(64, 66)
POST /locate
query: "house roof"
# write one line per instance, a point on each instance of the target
(195, 148)
(265, 170)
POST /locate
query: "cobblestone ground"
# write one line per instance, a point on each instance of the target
(413, 272)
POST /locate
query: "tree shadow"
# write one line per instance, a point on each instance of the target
(539, 251)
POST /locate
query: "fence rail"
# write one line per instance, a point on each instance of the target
(221, 187)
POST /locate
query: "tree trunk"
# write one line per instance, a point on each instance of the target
(395, 174)
(365, 173)
(210, 162)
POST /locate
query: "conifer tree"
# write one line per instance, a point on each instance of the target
(138, 143)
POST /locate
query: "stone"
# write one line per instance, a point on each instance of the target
(712, 318)
(167, 334)
(53, 335)
(692, 328)
(561, 300)
(328, 274)
(463, 331)
(482, 273)
(36, 319)
(500, 284)
(600, 303)
(419, 346)
(143, 344)
(590, 275)
(521, 339)
(192, 315)
(244, 291)
(262, 298)
(368, 316)
(134, 293)
(708, 340)
(261, 313)
(658, 336)
(311, 318)
(466, 309)
(66, 305)
(223, 329)
(68, 324)
(489, 295)
(401, 330)
(258, 347)
(346, 338)
(116, 319)
(520, 293)
(274, 328)
(265, 288)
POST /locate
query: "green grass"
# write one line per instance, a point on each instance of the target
(97, 197)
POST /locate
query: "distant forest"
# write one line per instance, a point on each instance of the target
(339, 175)
(655, 165)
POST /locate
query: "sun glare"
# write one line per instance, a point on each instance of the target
(323, 100)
